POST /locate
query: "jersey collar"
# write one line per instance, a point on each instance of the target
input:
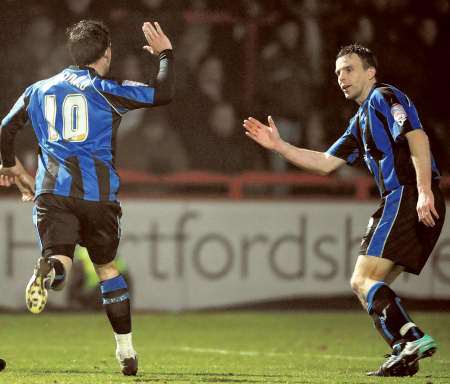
(364, 104)
(92, 71)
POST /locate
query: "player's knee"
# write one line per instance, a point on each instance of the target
(106, 271)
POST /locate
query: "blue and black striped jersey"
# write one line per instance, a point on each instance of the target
(377, 133)
(75, 115)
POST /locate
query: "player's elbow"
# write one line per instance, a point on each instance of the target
(162, 101)
(327, 169)
(416, 133)
(330, 164)
(164, 96)
(323, 172)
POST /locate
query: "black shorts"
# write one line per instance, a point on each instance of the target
(395, 233)
(63, 222)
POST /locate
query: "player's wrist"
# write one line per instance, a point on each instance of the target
(281, 147)
(424, 188)
(166, 52)
(8, 163)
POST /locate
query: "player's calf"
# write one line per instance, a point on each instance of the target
(117, 306)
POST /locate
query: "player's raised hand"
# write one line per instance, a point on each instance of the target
(156, 38)
(265, 135)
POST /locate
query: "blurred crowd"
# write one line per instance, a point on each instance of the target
(236, 59)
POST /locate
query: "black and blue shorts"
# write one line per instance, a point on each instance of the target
(395, 233)
(62, 222)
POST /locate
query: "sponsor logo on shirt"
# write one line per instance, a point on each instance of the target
(399, 114)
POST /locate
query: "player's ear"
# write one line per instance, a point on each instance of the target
(107, 53)
(372, 72)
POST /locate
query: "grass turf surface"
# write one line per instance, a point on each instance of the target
(220, 347)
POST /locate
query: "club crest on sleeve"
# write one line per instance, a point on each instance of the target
(399, 114)
(130, 83)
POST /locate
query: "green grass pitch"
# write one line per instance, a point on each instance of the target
(217, 347)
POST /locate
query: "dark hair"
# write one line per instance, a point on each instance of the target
(365, 54)
(87, 41)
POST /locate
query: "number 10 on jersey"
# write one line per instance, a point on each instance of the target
(74, 117)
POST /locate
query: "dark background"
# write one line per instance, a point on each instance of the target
(235, 59)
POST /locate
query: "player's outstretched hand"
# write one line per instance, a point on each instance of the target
(265, 135)
(156, 38)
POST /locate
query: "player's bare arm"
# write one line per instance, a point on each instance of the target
(156, 38)
(269, 137)
(19, 176)
(420, 155)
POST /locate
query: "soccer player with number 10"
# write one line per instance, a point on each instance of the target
(75, 115)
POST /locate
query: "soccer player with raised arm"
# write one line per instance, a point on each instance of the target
(387, 133)
(75, 116)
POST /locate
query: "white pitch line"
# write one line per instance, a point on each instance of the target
(311, 355)
(227, 352)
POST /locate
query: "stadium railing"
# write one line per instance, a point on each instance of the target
(251, 185)
(198, 184)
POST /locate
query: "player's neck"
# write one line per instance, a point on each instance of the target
(365, 93)
(99, 68)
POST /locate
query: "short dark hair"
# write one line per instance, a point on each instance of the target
(87, 41)
(365, 54)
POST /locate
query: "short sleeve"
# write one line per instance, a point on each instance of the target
(346, 147)
(397, 110)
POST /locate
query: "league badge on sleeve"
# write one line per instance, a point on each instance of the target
(130, 83)
(399, 114)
